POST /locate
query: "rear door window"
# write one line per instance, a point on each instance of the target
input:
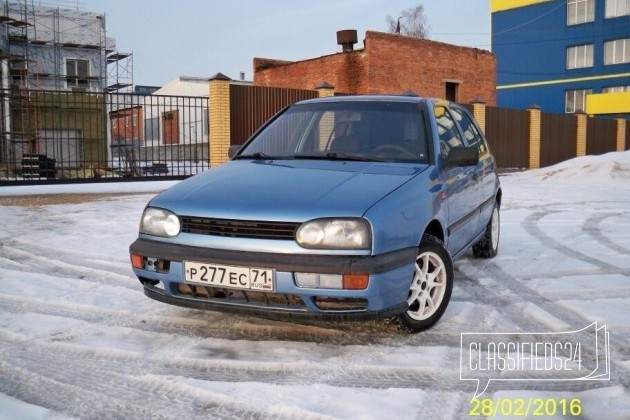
(471, 134)
(447, 131)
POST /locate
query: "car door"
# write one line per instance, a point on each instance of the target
(485, 171)
(459, 184)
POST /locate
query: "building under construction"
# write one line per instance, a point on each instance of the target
(50, 48)
(56, 65)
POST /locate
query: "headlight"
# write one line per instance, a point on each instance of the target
(335, 234)
(159, 222)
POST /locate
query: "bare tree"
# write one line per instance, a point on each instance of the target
(411, 22)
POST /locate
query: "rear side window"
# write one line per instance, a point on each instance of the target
(471, 133)
(447, 131)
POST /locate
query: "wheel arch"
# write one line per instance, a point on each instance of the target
(434, 228)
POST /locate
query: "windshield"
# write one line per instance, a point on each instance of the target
(361, 130)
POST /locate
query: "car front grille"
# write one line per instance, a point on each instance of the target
(239, 228)
(242, 297)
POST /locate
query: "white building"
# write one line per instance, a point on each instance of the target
(51, 48)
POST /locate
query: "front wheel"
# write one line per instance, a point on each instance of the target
(488, 245)
(430, 290)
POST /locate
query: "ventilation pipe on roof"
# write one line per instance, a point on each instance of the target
(347, 38)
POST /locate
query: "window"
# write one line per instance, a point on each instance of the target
(580, 11)
(471, 134)
(77, 72)
(580, 56)
(616, 8)
(617, 51)
(152, 129)
(576, 100)
(616, 89)
(447, 130)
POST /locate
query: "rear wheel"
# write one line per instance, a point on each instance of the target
(488, 245)
(430, 290)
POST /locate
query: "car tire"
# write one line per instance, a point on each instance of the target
(488, 245)
(431, 287)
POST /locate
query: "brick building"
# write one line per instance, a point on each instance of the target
(390, 64)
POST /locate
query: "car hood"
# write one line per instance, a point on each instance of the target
(286, 190)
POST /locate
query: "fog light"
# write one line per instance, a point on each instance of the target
(307, 280)
(355, 281)
(319, 281)
(330, 281)
(137, 261)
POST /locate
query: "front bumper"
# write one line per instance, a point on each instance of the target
(389, 279)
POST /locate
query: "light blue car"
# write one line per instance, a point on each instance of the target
(343, 208)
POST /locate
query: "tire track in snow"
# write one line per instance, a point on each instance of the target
(531, 225)
(76, 258)
(619, 345)
(173, 320)
(117, 375)
(497, 299)
(51, 265)
(50, 360)
(86, 391)
(591, 227)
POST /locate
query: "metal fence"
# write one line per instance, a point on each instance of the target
(507, 131)
(558, 138)
(60, 135)
(602, 134)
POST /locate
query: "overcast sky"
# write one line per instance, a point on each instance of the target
(202, 37)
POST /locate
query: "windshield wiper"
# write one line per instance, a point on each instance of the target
(337, 156)
(256, 156)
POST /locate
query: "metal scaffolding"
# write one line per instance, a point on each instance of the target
(55, 48)
(46, 47)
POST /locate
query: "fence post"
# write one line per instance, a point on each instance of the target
(582, 121)
(621, 134)
(534, 136)
(219, 118)
(327, 123)
(325, 89)
(479, 112)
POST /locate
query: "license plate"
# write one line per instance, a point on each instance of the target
(229, 276)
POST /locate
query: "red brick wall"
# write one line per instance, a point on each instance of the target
(401, 63)
(347, 72)
(390, 64)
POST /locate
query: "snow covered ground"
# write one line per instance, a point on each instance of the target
(78, 338)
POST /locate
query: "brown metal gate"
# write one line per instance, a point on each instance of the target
(251, 106)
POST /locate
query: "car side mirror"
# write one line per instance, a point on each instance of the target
(233, 150)
(462, 156)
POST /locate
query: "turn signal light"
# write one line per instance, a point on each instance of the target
(355, 281)
(137, 261)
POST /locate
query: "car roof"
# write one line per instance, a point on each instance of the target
(369, 98)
